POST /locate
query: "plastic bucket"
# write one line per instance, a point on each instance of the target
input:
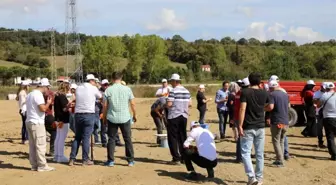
(205, 126)
(163, 140)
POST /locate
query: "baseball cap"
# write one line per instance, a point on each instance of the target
(123, 83)
(164, 80)
(329, 85)
(105, 81)
(25, 83)
(175, 77)
(44, 82)
(202, 86)
(310, 82)
(274, 77)
(66, 81)
(239, 81)
(90, 77)
(194, 123)
(73, 86)
(273, 84)
(245, 82)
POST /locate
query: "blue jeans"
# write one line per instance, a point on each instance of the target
(96, 128)
(286, 154)
(222, 115)
(84, 129)
(254, 137)
(72, 122)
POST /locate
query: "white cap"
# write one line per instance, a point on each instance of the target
(329, 85)
(44, 82)
(123, 83)
(164, 80)
(66, 80)
(202, 86)
(274, 77)
(194, 123)
(273, 83)
(105, 81)
(25, 83)
(246, 82)
(310, 82)
(90, 77)
(239, 81)
(97, 80)
(175, 77)
(73, 86)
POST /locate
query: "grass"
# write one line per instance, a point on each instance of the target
(11, 64)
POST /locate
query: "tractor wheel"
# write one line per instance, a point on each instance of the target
(293, 117)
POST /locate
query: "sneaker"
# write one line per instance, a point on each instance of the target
(192, 176)
(88, 163)
(260, 182)
(46, 169)
(33, 168)
(286, 157)
(252, 181)
(109, 163)
(98, 143)
(175, 162)
(211, 173)
(119, 144)
(333, 158)
(322, 146)
(278, 164)
(71, 162)
(131, 164)
(63, 160)
(49, 155)
(104, 145)
(56, 158)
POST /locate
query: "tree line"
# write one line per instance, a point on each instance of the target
(147, 59)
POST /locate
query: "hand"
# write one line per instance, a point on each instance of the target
(49, 100)
(235, 135)
(241, 131)
(268, 122)
(210, 99)
(134, 119)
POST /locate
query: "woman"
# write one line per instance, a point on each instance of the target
(21, 98)
(202, 103)
(72, 98)
(61, 108)
(156, 112)
(307, 94)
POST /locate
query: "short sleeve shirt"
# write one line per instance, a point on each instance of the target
(280, 112)
(200, 97)
(118, 97)
(34, 115)
(86, 96)
(180, 97)
(329, 109)
(159, 102)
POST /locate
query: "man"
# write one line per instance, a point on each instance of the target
(86, 95)
(279, 102)
(204, 154)
(178, 103)
(252, 127)
(36, 108)
(309, 109)
(328, 103)
(319, 115)
(164, 90)
(72, 101)
(119, 99)
(202, 103)
(222, 110)
(156, 112)
(49, 120)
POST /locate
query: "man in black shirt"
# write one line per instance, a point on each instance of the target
(254, 101)
(201, 103)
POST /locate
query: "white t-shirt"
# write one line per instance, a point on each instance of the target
(317, 96)
(22, 101)
(86, 95)
(204, 141)
(163, 90)
(34, 115)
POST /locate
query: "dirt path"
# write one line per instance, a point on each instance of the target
(310, 165)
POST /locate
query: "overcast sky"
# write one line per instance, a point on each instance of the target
(299, 20)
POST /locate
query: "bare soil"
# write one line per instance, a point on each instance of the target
(310, 165)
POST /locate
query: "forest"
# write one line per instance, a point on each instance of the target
(148, 58)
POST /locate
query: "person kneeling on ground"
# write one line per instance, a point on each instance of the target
(204, 155)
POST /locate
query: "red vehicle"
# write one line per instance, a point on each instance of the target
(294, 89)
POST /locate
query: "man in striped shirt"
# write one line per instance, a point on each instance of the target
(178, 104)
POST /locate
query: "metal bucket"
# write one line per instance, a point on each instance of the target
(163, 140)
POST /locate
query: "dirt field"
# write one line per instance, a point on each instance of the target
(310, 165)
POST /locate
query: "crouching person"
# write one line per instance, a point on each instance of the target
(203, 154)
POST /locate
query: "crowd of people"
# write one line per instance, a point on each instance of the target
(247, 105)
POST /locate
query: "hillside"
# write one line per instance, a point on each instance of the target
(11, 64)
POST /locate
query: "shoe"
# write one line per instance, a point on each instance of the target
(333, 158)
(278, 164)
(175, 162)
(46, 169)
(211, 173)
(119, 144)
(98, 143)
(63, 160)
(222, 136)
(104, 145)
(131, 164)
(322, 146)
(33, 168)
(49, 155)
(88, 163)
(56, 158)
(71, 162)
(304, 134)
(286, 157)
(252, 181)
(109, 163)
(260, 182)
(239, 161)
(192, 176)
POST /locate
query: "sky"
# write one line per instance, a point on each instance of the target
(294, 20)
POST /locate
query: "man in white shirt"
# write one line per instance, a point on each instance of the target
(204, 154)
(317, 96)
(36, 108)
(164, 90)
(86, 95)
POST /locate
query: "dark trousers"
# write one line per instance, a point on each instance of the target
(24, 132)
(222, 115)
(103, 132)
(191, 156)
(238, 150)
(319, 127)
(127, 135)
(201, 115)
(330, 129)
(177, 134)
(49, 119)
(96, 128)
(84, 128)
(158, 123)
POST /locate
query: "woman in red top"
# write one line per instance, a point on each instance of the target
(307, 94)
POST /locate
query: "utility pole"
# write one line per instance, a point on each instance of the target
(72, 41)
(53, 55)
